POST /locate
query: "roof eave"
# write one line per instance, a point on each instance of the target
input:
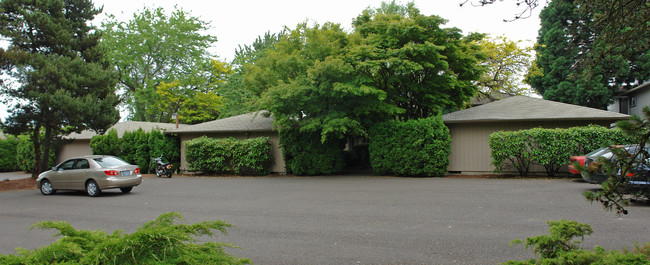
(613, 119)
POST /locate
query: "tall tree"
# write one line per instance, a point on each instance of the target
(153, 48)
(305, 79)
(422, 67)
(506, 63)
(568, 39)
(63, 82)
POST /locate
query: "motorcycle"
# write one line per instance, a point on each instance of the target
(162, 168)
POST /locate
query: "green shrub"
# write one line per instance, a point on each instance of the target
(411, 148)
(229, 155)
(107, 144)
(559, 247)
(25, 154)
(550, 148)
(162, 241)
(510, 150)
(138, 147)
(166, 145)
(306, 155)
(8, 154)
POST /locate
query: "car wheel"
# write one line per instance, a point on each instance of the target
(126, 189)
(92, 189)
(46, 187)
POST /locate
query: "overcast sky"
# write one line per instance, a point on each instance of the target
(242, 21)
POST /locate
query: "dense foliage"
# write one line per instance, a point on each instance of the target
(573, 66)
(164, 65)
(138, 147)
(550, 148)
(165, 240)
(410, 148)
(505, 65)
(305, 154)
(229, 155)
(63, 81)
(559, 247)
(422, 67)
(25, 155)
(8, 152)
(397, 63)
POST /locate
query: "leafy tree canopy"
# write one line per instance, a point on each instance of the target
(155, 49)
(62, 81)
(573, 67)
(506, 63)
(396, 64)
(422, 67)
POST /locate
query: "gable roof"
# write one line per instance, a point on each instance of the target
(250, 122)
(127, 126)
(521, 108)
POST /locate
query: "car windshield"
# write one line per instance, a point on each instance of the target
(598, 152)
(110, 161)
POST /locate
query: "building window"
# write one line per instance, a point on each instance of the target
(632, 101)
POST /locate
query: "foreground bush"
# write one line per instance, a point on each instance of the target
(411, 148)
(229, 155)
(162, 241)
(559, 248)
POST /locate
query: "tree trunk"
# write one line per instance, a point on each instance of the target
(47, 145)
(36, 142)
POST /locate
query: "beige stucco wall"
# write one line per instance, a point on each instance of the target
(470, 150)
(73, 149)
(276, 153)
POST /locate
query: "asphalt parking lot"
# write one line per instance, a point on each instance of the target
(340, 219)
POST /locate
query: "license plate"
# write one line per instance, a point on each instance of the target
(126, 173)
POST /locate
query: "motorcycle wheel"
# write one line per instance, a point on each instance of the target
(169, 174)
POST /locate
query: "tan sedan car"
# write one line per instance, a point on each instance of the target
(91, 174)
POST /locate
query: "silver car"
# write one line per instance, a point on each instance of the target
(91, 174)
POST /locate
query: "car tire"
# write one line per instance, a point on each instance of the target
(126, 189)
(46, 187)
(93, 189)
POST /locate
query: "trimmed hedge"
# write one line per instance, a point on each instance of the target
(25, 154)
(229, 155)
(305, 154)
(410, 148)
(550, 148)
(8, 160)
(138, 147)
(108, 144)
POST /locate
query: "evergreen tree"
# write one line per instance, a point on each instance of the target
(571, 62)
(63, 81)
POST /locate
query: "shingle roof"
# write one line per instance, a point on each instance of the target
(242, 123)
(128, 126)
(639, 87)
(521, 108)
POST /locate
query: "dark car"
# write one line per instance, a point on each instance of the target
(606, 153)
(91, 174)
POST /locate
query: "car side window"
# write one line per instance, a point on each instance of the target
(67, 165)
(82, 164)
